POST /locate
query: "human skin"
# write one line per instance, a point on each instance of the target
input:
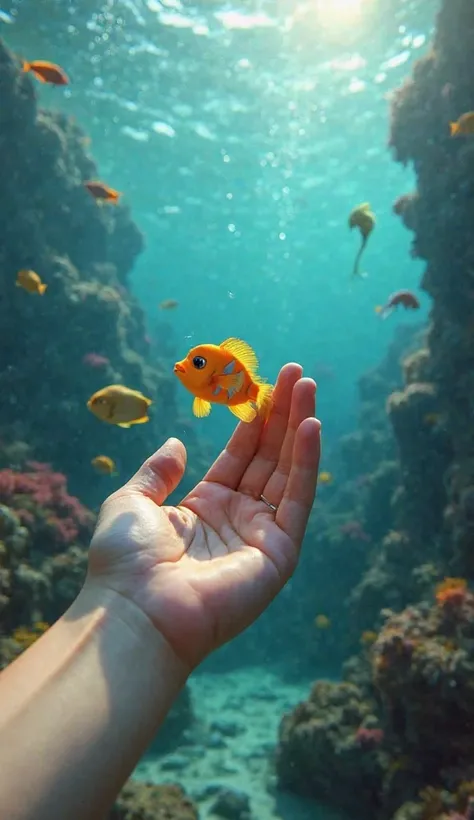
(165, 587)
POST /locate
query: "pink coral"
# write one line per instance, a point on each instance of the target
(41, 498)
(95, 360)
(369, 738)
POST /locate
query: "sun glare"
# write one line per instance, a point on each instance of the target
(335, 12)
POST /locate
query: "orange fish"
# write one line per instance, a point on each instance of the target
(47, 72)
(464, 127)
(101, 191)
(30, 281)
(225, 374)
(400, 297)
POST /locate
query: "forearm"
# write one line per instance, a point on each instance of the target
(79, 708)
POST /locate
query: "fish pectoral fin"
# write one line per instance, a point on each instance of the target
(244, 412)
(232, 384)
(201, 407)
(242, 352)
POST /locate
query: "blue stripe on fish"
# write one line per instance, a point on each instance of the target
(229, 368)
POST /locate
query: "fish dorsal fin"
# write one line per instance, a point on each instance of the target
(242, 352)
(201, 407)
(244, 412)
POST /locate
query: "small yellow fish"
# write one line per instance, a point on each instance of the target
(464, 127)
(368, 637)
(120, 405)
(361, 217)
(325, 477)
(431, 419)
(30, 281)
(168, 304)
(322, 622)
(104, 465)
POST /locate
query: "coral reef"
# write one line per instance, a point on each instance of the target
(334, 731)
(145, 801)
(87, 330)
(414, 670)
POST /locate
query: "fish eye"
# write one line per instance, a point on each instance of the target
(199, 362)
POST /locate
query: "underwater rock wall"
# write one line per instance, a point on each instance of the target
(439, 92)
(87, 330)
(406, 701)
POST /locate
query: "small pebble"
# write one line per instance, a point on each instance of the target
(175, 763)
(228, 728)
(232, 804)
(216, 741)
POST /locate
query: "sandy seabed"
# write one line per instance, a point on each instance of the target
(232, 746)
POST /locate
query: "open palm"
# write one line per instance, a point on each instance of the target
(204, 570)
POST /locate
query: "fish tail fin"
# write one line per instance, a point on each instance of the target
(356, 268)
(42, 288)
(26, 66)
(264, 399)
(453, 128)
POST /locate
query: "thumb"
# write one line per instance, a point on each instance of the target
(161, 473)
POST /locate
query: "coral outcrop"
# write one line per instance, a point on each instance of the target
(335, 730)
(145, 801)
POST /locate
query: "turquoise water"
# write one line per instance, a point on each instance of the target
(242, 136)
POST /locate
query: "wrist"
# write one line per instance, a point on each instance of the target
(119, 616)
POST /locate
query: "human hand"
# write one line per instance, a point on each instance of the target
(203, 571)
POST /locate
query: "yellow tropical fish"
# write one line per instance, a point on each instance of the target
(120, 405)
(368, 637)
(322, 622)
(325, 477)
(30, 281)
(104, 465)
(225, 374)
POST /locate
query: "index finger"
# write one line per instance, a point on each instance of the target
(295, 507)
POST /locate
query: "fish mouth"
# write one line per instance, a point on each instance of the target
(178, 368)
